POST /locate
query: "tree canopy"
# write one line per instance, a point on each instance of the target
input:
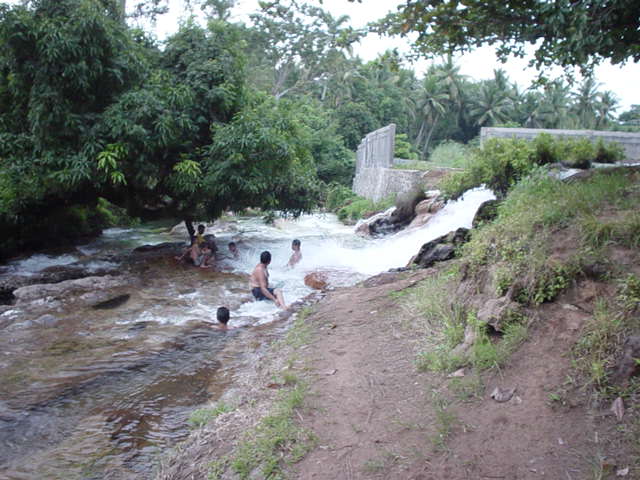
(562, 32)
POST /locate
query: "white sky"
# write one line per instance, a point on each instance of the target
(477, 65)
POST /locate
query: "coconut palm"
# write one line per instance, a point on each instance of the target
(585, 102)
(432, 103)
(492, 106)
(606, 106)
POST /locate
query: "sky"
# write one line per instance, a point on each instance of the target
(477, 65)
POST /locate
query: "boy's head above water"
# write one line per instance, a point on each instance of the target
(295, 245)
(223, 315)
(201, 229)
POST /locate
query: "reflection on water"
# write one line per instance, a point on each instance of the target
(99, 393)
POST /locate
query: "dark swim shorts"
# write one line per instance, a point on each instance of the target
(257, 293)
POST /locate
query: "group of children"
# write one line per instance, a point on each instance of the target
(202, 253)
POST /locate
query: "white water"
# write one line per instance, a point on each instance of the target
(327, 245)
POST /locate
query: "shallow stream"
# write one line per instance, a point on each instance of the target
(102, 392)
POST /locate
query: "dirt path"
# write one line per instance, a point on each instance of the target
(376, 417)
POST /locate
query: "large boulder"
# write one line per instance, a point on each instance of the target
(364, 227)
(401, 216)
(440, 249)
(426, 209)
(487, 212)
(71, 289)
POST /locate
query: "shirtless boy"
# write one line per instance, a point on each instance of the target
(259, 283)
(296, 256)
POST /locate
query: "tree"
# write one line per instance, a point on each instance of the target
(492, 106)
(585, 103)
(563, 32)
(295, 41)
(606, 105)
(631, 116)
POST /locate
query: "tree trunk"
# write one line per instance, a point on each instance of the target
(123, 9)
(428, 140)
(189, 224)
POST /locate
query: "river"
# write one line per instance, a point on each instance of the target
(103, 392)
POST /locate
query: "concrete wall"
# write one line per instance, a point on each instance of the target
(630, 142)
(379, 183)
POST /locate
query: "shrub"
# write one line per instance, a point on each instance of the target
(577, 153)
(608, 152)
(502, 162)
(403, 148)
(450, 154)
(337, 196)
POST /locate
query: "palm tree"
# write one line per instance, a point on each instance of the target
(585, 101)
(432, 104)
(554, 110)
(492, 106)
(607, 104)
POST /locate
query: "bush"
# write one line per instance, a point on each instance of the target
(608, 152)
(502, 162)
(450, 154)
(362, 208)
(577, 153)
(403, 148)
(337, 196)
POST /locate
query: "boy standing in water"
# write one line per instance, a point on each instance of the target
(259, 283)
(233, 249)
(296, 256)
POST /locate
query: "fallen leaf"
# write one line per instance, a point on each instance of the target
(618, 408)
(331, 372)
(274, 385)
(622, 472)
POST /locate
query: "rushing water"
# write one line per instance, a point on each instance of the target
(102, 392)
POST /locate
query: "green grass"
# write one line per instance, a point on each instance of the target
(445, 422)
(202, 416)
(300, 332)
(614, 320)
(520, 240)
(276, 441)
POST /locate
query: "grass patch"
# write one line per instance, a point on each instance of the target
(487, 353)
(202, 416)
(466, 389)
(502, 162)
(300, 332)
(520, 241)
(438, 320)
(276, 441)
(445, 422)
(598, 350)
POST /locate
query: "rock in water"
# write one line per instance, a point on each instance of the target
(487, 211)
(112, 302)
(441, 248)
(317, 280)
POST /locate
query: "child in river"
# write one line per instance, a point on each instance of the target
(233, 250)
(223, 318)
(296, 256)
